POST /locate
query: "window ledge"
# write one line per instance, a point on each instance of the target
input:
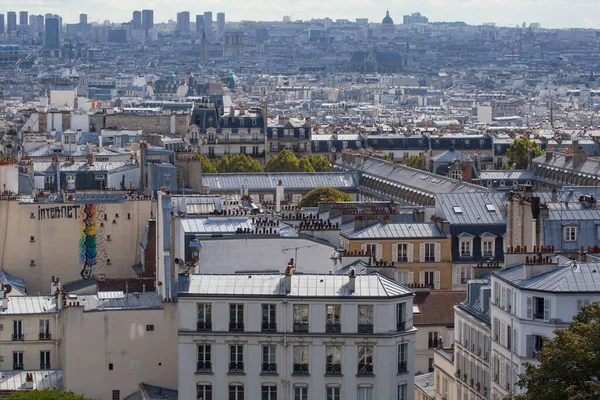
(204, 373)
(334, 375)
(365, 375)
(301, 374)
(269, 373)
(237, 373)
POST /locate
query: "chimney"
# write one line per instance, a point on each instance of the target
(126, 288)
(59, 300)
(352, 281)
(440, 344)
(289, 271)
(54, 285)
(553, 194)
(549, 155)
(279, 195)
(467, 170)
(4, 302)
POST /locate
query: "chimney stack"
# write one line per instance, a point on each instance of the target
(352, 282)
(554, 195)
(279, 195)
(4, 302)
(289, 271)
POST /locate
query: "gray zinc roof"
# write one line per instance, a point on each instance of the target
(30, 305)
(268, 181)
(42, 379)
(131, 301)
(488, 208)
(506, 175)
(567, 278)
(397, 231)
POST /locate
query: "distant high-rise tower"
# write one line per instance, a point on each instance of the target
(137, 20)
(220, 24)
(200, 23)
(52, 33)
(11, 22)
(23, 18)
(83, 19)
(208, 23)
(183, 21)
(1, 24)
(147, 19)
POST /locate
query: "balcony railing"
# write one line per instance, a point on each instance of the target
(45, 336)
(269, 327)
(333, 369)
(402, 367)
(300, 327)
(204, 366)
(236, 327)
(300, 369)
(333, 328)
(365, 328)
(18, 366)
(18, 336)
(401, 326)
(268, 368)
(236, 367)
(365, 369)
(204, 326)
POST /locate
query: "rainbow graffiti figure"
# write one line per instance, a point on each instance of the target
(88, 250)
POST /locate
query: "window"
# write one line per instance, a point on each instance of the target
(300, 359)
(236, 358)
(204, 362)
(541, 308)
(300, 393)
(44, 329)
(534, 344)
(333, 324)
(116, 395)
(18, 330)
(429, 252)
(488, 247)
(204, 322)
(402, 357)
(275, 146)
(456, 174)
(236, 392)
(466, 247)
(110, 366)
(333, 364)
(365, 393)
(269, 322)
(204, 392)
(429, 278)
(255, 151)
(365, 360)
(269, 360)
(430, 364)
(402, 252)
(400, 317)
(45, 360)
(371, 249)
(402, 392)
(333, 393)
(365, 318)
(18, 360)
(581, 304)
(570, 233)
(236, 317)
(211, 151)
(433, 340)
(300, 317)
(269, 392)
(462, 274)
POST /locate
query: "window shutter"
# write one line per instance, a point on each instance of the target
(411, 278)
(529, 308)
(422, 277)
(502, 332)
(529, 349)
(379, 251)
(436, 284)
(457, 274)
(438, 251)
(515, 341)
(422, 252)
(395, 252)
(503, 299)
(363, 248)
(410, 252)
(502, 374)
(546, 309)
(579, 305)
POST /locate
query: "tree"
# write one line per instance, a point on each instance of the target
(320, 163)
(570, 362)
(414, 161)
(518, 149)
(324, 194)
(304, 165)
(45, 395)
(237, 163)
(207, 166)
(285, 161)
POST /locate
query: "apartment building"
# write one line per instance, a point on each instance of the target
(301, 337)
(289, 134)
(529, 302)
(421, 252)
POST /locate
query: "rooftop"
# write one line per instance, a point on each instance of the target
(436, 307)
(18, 305)
(487, 208)
(110, 301)
(425, 383)
(268, 181)
(45, 379)
(397, 231)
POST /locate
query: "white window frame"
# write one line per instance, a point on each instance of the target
(570, 233)
(466, 247)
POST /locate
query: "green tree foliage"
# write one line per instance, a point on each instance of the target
(517, 151)
(237, 163)
(570, 365)
(285, 161)
(45, 395)
(320, 163)
(414, 161)
(207, 166)
(323, 194)
(304, 165)
(388, 158)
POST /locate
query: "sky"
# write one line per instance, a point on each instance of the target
(549, 13)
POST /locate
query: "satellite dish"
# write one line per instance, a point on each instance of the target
(177, 261)
(7, 288)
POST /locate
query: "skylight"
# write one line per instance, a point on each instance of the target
(457, 210)
(490, 207)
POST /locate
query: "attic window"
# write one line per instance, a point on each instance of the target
(457, 210)
(490, 207)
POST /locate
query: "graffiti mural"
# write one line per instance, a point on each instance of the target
(92, 243)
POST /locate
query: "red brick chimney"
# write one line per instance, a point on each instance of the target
(467, 170)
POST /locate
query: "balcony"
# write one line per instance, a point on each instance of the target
(365, 328)
(204, 326)
(365, 369)
(400, 326)
(300, 369)
(300, 327)
(402, 367)
(268, 327)
(45, 336)
(333, 369)
(236, 327)
(18, 336)
(268, 368)
(204, 366)
(236, 367)
(18, 366)
(333, 328)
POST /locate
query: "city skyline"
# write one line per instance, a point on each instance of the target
(556, 14)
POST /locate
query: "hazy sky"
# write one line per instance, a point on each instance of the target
(550, 13)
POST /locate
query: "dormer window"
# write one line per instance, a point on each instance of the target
(570, 233)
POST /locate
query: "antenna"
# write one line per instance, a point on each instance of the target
(295, 249)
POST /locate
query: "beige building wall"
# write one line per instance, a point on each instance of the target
(423, 353)
(176, 124)
(92, 341)
(445, 387)
(37, 243)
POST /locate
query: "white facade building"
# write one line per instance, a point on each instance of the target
(529, 302)
(295, 337)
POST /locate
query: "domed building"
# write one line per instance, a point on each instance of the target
(387, 29)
